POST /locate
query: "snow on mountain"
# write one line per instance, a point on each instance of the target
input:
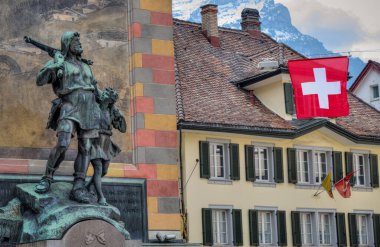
(276, 22)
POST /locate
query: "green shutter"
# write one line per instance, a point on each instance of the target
(374, 170)
(249, 163)
(204, 153)
(296, 228)
(278, 165)
(237, 227)
(207, 226)
(289, 99)
(353, 230)
(253, 228)
(234, 161)
(281, 228)
(337, 166)
(349, 165)
(341, 229)
(292, 166)
(376, 229)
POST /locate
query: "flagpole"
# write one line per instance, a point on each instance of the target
(318, 192)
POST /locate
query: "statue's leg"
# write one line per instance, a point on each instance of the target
(79, 192)
(57, 155)
(90, 183)
(106, 164)
(98, 181)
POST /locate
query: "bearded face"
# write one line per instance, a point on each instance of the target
(76, 46)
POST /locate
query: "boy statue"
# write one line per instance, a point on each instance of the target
(103, 149)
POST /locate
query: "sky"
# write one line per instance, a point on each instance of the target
(341, 25)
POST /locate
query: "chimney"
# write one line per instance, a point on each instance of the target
(250, 22)
(209, 14)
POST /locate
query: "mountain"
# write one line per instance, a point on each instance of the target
(275, 21)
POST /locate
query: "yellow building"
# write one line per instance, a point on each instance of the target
(250, 169)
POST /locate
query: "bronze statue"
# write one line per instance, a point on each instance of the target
(75, 111)
(103, 149)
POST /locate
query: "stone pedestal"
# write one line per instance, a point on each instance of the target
(39, 219)
(89, 233)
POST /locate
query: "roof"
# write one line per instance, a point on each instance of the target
(208, 99)
(369, 66)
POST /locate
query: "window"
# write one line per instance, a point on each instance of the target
(222, 225)
(303, 166)
(312, 165)
(265, 226)
(261, 164)
(362, 229)
(365, 168)
(316, 228)
(219, 160)
(324, 229)
(374, 92)
(320, 166)
(361, 168)
(306, 229)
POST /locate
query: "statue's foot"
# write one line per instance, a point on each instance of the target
(43, 186)
(80, 195)
(102, 201)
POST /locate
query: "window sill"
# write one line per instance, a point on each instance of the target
(220, 181)
(308, 186)
(264, 184)
(364, 188)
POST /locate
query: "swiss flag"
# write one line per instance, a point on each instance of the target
(320, 86)
(343, 186)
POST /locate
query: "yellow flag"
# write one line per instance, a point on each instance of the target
(326, 184)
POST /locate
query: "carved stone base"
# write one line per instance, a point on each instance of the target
(89, 233)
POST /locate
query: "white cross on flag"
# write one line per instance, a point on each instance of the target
(319, 86)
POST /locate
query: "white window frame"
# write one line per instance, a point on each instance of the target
(229, 229)
(273, 212)
(372, 87)
(304, 230)
(226, 159)
(322, 224)
(312, 165)
(262, 224)
(366, 169)
(301, 178)
(270, 161)
(318, 164)
(315, 227)
(219, 218)
(363, 239)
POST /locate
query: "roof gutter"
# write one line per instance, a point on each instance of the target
(279, 133)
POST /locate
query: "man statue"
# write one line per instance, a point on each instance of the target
(74, 112)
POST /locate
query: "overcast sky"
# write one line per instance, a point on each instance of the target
(342, 25)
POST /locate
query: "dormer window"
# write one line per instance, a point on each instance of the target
(375, 92)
